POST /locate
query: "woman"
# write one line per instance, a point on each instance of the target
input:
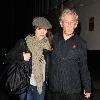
(33, 52)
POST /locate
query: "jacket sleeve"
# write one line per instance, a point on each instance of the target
(85, 74)
(16, 53)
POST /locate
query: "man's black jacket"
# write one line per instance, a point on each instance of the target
(69, 65)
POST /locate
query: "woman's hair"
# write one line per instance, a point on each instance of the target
(68, 11)
(49, 35)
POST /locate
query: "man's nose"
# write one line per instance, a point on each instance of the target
(69, 23)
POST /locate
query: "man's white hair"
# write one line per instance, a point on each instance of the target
(68, 11)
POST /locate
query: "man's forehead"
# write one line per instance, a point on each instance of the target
(68, 17)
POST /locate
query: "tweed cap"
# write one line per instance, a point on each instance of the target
(41, 22)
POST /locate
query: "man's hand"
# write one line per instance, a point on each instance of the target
(87, 94)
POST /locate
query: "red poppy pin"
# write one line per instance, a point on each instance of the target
(74, 46)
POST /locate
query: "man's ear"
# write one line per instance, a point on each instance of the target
(76, 24)
(60, 23)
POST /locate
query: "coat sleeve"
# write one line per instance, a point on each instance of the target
(85, 74)
(16, 53)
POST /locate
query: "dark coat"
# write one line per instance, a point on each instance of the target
(16, 55)
(69, 66)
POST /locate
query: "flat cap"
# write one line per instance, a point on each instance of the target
(41, 22)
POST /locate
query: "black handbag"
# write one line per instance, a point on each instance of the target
(17, 79)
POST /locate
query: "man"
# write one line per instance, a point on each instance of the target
(69, 61)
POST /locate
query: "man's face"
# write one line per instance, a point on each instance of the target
(40, 33)
(68, 23)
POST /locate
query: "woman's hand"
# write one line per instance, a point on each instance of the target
(26, 56)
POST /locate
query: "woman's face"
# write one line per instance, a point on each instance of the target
(40, 33)
(68, 23)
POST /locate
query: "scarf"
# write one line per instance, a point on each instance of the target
(36, 47)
